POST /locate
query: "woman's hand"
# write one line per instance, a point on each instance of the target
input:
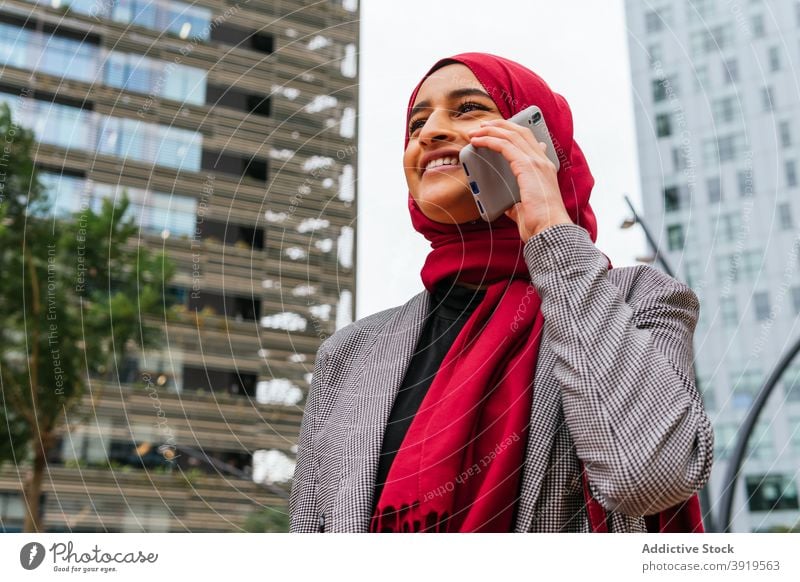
(541, 205)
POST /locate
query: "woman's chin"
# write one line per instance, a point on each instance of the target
(439, 212)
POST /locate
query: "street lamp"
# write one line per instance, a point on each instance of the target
(735, 464)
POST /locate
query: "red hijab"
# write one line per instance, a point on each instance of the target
(486, 252)
(459, 467)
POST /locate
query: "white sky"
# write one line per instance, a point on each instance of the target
(578, 46)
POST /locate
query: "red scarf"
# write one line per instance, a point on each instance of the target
(460, 465)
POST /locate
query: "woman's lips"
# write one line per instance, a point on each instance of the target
(441, 168)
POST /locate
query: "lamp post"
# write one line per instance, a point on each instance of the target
(705, 502)
(735, 464)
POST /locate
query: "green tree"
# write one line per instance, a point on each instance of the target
(267, 520)
(76, 294)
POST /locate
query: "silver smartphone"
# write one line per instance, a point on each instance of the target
(493, 184)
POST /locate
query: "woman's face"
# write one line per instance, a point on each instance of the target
(451, 102)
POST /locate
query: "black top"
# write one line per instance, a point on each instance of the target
(451, 306)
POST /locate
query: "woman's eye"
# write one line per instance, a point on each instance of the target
(413, 127)
(467, 105)
(472, 104)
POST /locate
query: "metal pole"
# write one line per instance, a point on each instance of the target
(735, 464)
(650, 238)
(705, 502)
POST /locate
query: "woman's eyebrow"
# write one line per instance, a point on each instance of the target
(454, 94)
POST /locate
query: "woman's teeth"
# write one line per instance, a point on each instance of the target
(441, 162)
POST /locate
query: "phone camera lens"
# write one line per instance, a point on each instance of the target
(537, 117)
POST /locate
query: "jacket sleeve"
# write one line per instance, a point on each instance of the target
(628, 387)
(303, 500)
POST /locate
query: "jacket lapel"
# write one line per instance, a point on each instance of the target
(380, 378)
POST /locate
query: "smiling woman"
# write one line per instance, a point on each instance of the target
(530, 386)
(451, 103)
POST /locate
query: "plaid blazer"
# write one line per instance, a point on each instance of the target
(614, 388)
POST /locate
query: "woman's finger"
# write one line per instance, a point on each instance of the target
(524, 158)
(526, 144)
(513, 129)
(505, 132)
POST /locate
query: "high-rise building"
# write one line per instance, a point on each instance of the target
(232, 127)
(718, 128)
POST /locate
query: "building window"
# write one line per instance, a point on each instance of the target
(675, 237)
(713, 40)
(245, 38)
(704, 8)
(724, 440)
(679, 159)
(663, 125)
(728, 311)
(655, 52)
(134, 72)
(745, 180)
(714, 188)
(50, 53)
(751, 263)
(767, 99)
(179, 19)
(674, 198)
(729, 225)
(12, 512)
(653, 21)
(691, 273)
(774, 59)
(791, 382)
(671, 199)
(757, 25)
(796, 299)
(204, 379)
(659, 89)
(71, 127)
(708, 395)
(730, 71)
(724, 110)
(723, 148)
(727, 271)
(729, 147)
(761, 445)
(790, 168)
(785, 129)
(156, 213)
(745, 387)
(53, 123)
(761, 305)
(771, 493)
(794, 437)
(228, 96)
(145, 142)
(785, 215)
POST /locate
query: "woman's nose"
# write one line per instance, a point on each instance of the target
(436, 128)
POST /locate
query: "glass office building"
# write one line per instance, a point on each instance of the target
(718, 128)
(231, 127)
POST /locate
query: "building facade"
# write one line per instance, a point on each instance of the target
(232, 128)
(718, 129)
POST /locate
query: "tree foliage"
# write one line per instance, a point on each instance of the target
(77, 293)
